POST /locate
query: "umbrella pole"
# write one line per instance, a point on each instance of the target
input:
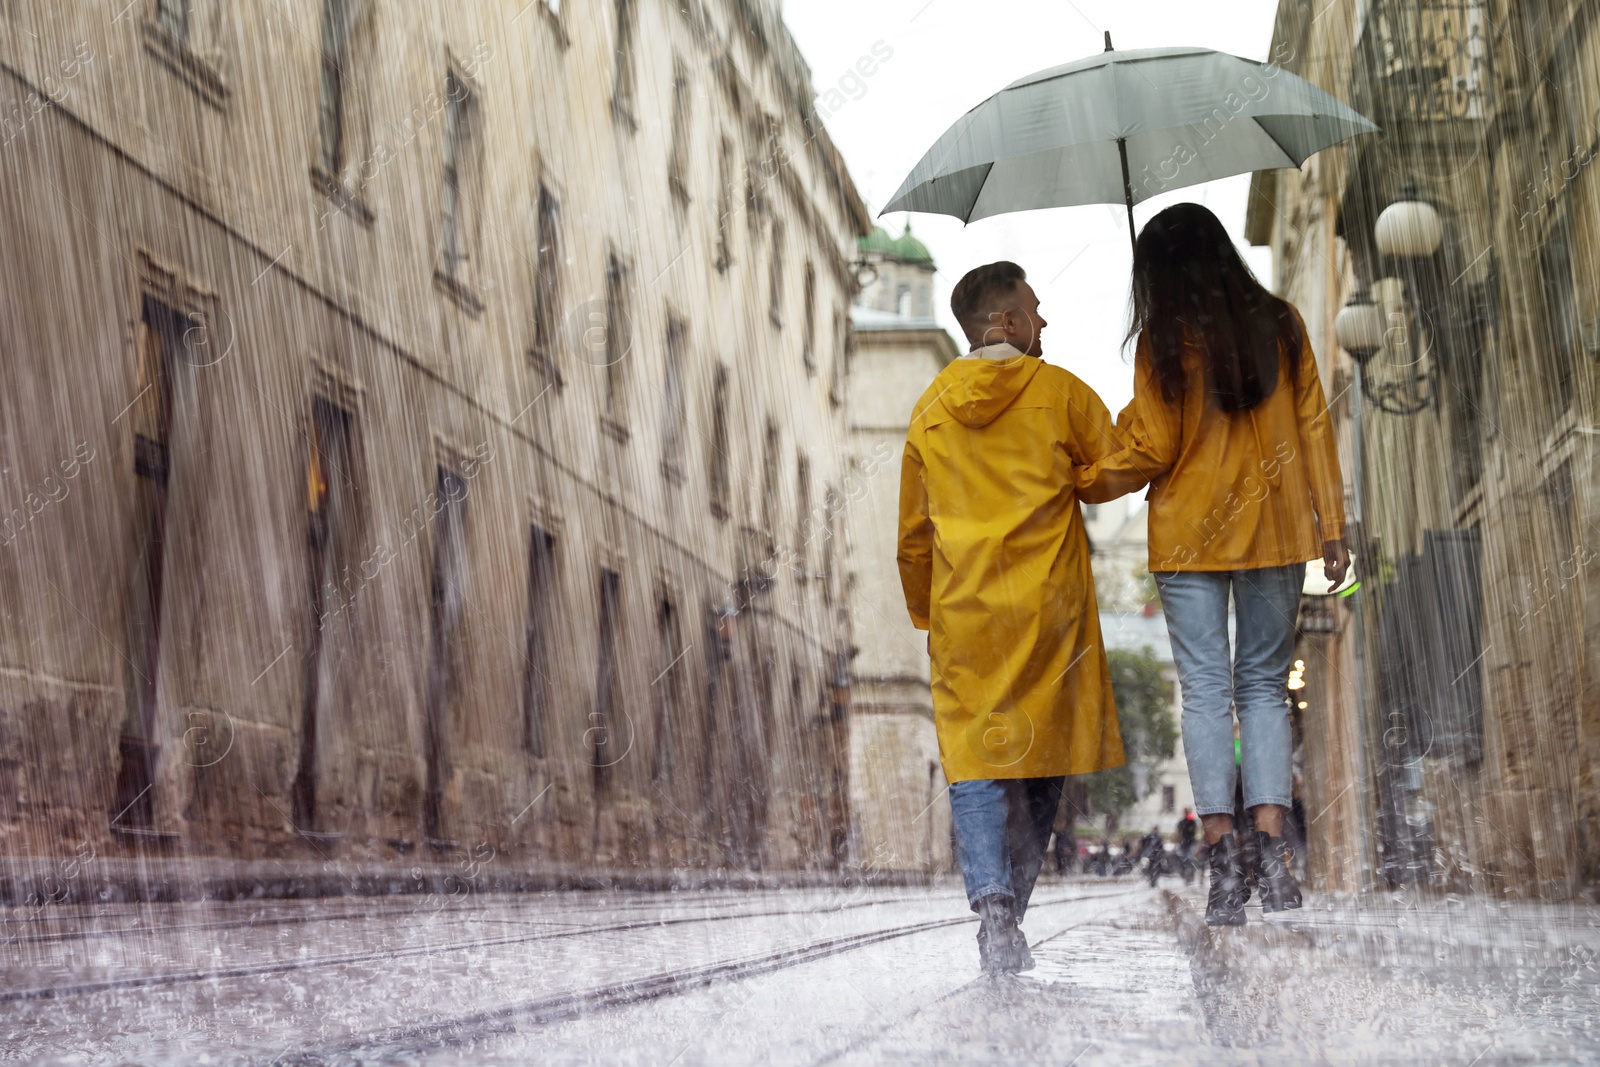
(1127, 188)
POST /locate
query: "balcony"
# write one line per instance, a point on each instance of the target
(1423, 61)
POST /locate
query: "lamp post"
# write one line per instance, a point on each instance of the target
(1408, 232)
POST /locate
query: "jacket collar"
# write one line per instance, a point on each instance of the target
(1002, 350)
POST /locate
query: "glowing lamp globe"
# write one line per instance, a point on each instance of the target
(1410, 228)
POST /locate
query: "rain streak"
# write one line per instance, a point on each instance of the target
(799, 532)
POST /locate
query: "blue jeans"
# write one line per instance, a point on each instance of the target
(1265, 602)
(1002, 828)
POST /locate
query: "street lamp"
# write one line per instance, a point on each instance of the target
(1362, 331)
(1407, 232)
(1409, 227)
(1359, 327)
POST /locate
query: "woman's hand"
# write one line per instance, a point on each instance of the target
(1335, 562)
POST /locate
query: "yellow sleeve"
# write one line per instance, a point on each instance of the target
(915, 550)
(1316, 437)
(1141, 446)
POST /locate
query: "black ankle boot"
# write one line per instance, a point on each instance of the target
(998, 937)
(1022, 955)
(1229, 890)
(1279, 890)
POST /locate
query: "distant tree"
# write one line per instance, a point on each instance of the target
(1149, 730)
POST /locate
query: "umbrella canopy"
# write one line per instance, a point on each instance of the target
(1123, 126)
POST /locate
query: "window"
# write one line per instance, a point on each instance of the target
(447, 596)
(1169, 799)
(185, 37)
(830, 509)
(173, 16)
(674, 411)
(678, 160)
(335, 47)
(619, 338)
(329, 498)
(725, 206)
(460, 164)
(1560, 494)
(808, 343)
(775, 276)
(537, 683)
(769, 481)
(668, 686)
(345, 149)
(622, 94)
(1561, 318)
(755, 207)
(161, 333)
(802, 533)
(718, 460)
(547, 284)
(841, 360)
(604, 748)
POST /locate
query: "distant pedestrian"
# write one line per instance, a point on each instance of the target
(1128, 856)
(995, 566)
(1066, 850)
(1152, 853)
(1186, 836)
(1230, 428)
(1186, 831)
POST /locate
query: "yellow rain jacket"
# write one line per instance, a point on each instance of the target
(995, 565)
(1257, 488)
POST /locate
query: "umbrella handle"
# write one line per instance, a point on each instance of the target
(1127, 188)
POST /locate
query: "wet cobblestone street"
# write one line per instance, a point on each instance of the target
(1125, 975)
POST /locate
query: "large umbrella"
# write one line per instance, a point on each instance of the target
(1123, 126)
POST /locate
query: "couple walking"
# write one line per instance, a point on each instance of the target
(1229, 428)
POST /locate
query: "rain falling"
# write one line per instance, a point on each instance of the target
(732, 531)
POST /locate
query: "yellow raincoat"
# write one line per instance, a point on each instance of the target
(1257, 488)
(995, 564)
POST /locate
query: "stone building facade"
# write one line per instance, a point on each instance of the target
(902, 817)
(1453, 703)
(422, 433)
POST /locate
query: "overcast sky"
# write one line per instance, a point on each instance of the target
(948, 55)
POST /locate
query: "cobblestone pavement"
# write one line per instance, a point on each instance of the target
(1126, 975)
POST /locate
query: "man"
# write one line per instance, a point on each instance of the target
(995, 566)
(1153, 851)
(1186, 831)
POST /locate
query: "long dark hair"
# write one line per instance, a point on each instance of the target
(1191, 289)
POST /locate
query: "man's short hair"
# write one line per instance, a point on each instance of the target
(976, 293)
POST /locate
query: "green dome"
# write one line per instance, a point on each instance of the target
(877, 241)
(911, 250)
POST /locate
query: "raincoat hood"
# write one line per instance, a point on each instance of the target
(978, 390)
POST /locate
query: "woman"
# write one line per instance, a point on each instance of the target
(1229, 427)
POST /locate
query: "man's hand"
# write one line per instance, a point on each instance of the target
(1335, 562)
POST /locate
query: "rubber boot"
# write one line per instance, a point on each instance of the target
(998, 937)
(1229, 890)
(1279, 890)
